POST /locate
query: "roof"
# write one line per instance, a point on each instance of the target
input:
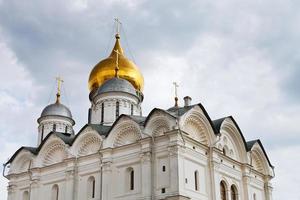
(56, 109)
(117, 85)
(142, 121)
(251, 143)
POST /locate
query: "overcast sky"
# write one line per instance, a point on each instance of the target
(238, 58)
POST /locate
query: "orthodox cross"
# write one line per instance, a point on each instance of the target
(118, 23)
(59, 82)
(176, 96)
(117, 63)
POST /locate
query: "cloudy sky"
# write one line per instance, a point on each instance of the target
(237, 58)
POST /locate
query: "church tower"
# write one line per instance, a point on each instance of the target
(116, 86)
(55, 117)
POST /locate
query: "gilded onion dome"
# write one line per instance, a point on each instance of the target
(106, 69)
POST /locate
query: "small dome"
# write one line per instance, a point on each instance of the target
(117, 85)
(57, 109)
(105, 69)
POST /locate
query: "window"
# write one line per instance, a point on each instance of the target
(131, 109)
(102, 113)
(54, 127)
(117, 109)
(42, 135)
(26, 195)
(130, 175)
(66, 129)
(163, 190)
(254, 196)
(223, 190)
(196, 176)
(224, 151)
(163, 168)
(233, 191)
(55, 192)
(91, 187)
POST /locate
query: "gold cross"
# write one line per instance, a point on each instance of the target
(59, 82)
(118, 23)
(175, 86)
(117, 63)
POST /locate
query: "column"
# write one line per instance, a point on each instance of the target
(107, 180)
(268, 190)
(69, 184)
(147, 176)
(11, 191)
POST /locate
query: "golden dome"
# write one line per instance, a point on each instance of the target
(106, 69)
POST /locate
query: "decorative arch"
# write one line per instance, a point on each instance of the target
(126, 135)
(22, 162)
(158, 125)
(197, 126)
(125, 131)
(232, 138)
(258, 161)
(88, 142)
(54, 151)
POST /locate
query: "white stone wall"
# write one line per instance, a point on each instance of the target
(109, 102)
(62, 124)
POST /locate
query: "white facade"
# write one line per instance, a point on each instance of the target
(163, 157)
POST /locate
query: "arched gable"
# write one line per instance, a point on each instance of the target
(53, 151)
(196, 124)
(124, 131)
(232, 139)
(88, 142)
(22, 161)
(158, 122)
(259, 160)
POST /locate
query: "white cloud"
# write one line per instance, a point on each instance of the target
(287, 182)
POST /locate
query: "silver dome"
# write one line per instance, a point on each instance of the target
(57, 109)
(117, 85)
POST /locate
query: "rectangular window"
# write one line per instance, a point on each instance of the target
(117, 109)
(131, 108)
(102, 113)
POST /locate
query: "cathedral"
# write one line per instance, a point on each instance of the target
(177, 153)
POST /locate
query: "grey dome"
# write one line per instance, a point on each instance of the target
(117, 85)
(56, 109)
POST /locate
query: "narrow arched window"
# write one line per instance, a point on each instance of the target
(254, 196)
(91, 187)
(196, 177)
(131, 109)
(234, 193)
(55, 192)
(117, 109)
(25, 195)
(224, 151)
(42, 136)
(130, 175)
(66, 129)
(54, 127)
(223, 190)
(102, 113)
